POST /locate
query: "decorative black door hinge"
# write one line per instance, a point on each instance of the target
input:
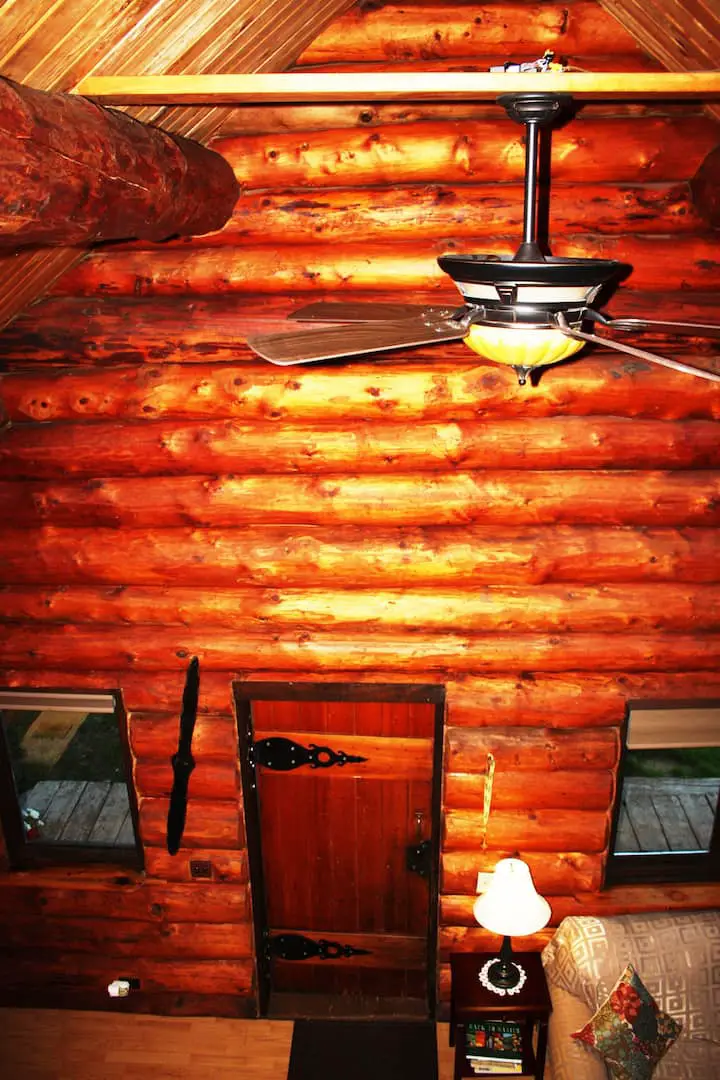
(418, 858)
(284, 755)
(299, 947)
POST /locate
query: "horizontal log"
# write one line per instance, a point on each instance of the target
(452, 939)
(572, 608)
(68, 971)
(675, 262)
(244, 120)
(210, 780)
(145, 900)
(634, 899)
(554, 873)
(531, 749)
(437, 211)
(523, 699)
(354, 557)
(437, 385)
(129, 938)
(154, 735)
(569, 700)
(177, 329)
(531, 789)
(227, 867)
(74, 173)
(424, 31)
(536, 830)
(167, 447)
(457, 910)
(643, 149)
(483, 497)
(522, 53)
(211, 823)
(30, 645)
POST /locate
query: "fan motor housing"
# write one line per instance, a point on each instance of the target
(529, 293)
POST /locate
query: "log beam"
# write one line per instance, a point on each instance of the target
(99, 331)
(456, 911)
(556, 873)
(572, 699)
(439, 30)
(114, 648)
(645, 150)
(546, 607)
(172, 447)
(536, 830)
(559, 789)
(356, 268)
(73, 173)
(435, 211)
(355, 557)
(493, 497)
(442, 383)
(531, 749)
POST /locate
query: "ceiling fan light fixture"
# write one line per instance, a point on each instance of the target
(523, 348)
(513, 306)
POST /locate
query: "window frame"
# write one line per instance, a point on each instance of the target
(23, 854)
(667, 867)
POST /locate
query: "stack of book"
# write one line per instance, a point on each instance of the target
(494, 1047)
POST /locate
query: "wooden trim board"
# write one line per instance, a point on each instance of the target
(384, 86)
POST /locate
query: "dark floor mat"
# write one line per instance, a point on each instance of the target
(363, 1050)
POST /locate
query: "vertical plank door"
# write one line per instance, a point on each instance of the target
(334, 836)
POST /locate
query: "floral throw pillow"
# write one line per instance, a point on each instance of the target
(629, 1031)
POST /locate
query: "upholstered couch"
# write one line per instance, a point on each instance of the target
(677, 956)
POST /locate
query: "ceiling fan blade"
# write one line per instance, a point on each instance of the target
(641, 354)
(333, 342)
(365, 311)
(665, 326)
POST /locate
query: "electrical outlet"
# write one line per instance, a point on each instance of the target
(483, 881)
(200, 868)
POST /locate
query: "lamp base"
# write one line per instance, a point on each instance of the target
(501, 978)
(501, 974)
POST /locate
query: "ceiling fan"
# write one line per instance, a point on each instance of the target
(526, 310)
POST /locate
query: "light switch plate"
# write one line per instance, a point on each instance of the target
(483, 881)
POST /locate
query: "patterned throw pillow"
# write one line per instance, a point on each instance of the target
(629, 1031)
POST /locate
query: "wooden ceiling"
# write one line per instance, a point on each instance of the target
(684, 35)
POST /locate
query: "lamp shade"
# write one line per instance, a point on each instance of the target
(511, 906)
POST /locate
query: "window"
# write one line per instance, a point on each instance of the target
(64, 764)
(666, 825)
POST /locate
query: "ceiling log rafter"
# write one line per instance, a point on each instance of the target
(57, 49)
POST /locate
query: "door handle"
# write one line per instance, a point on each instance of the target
(417, 855)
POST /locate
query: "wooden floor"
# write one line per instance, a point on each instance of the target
(38, 1044)
(80, 812)
(666, 815)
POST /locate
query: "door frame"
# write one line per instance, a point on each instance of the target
(244, 693)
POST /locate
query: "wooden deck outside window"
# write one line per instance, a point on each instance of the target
(64, 769)
(667, 826)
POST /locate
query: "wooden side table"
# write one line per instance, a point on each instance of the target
(470, 1000)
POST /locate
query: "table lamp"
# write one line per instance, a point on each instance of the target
(510, 906)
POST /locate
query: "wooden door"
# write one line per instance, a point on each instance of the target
(328, 838)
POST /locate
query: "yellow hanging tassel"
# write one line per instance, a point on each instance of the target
(487, 796)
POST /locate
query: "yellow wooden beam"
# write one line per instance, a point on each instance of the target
(404, 86)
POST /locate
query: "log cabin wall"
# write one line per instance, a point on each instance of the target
(547, 553)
